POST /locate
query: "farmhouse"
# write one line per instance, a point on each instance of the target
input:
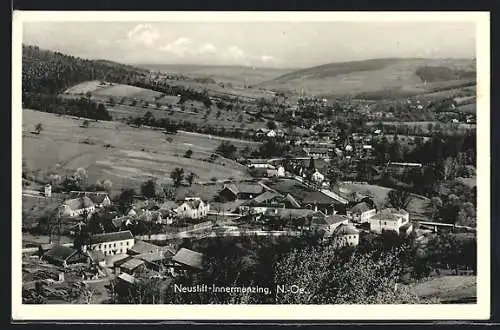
(361, 212)
(77, 206)
(63, 256)
(233, 191)
(193, 208)
(329, 223)
(344, 235)
(130, 266)
(112, 243)
(388, 219)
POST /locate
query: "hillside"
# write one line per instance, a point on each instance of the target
(379, 78)
(48, 72)
(237, 75)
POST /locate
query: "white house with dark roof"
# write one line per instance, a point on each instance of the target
(389, 219)
(77, 206)
(361, 212)
(111, 243)
(99, 198)
(344, 235)
(193, 208)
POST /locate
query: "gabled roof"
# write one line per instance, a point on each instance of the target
(111, 237)
(141, 247)
(78, 203)
(320, 197)
(117, 222)
(132, 264)
(189, 258)
(344, 229)
(335, 218)
(262, 198)
(155, 256)
(60, 253)
(361, 207)
(245, 188)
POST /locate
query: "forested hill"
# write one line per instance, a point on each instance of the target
(48, 72)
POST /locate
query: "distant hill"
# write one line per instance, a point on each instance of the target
(238, 75)
(378, 78)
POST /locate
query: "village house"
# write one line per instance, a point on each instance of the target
(361, 212)
(77, 206)
(120, 223)
(260, 163)
(344, 235)
(389, 219)
(231, 192)
(193, 208)
(317, 177)
(329, 223)
(111, 243)
(99, 198)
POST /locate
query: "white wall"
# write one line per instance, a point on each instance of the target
(108, 247)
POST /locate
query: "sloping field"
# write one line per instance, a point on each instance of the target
(390, 76)
(134, 154)
(447, 288)
(115, 90)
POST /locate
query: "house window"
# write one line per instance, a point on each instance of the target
(184, 208)
(121, 243)
(114, 245)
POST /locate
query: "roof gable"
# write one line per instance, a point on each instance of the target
(111, 237)
(189, 258)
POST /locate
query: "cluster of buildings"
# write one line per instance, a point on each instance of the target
(120, 254)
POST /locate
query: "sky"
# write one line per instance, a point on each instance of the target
(263, 44)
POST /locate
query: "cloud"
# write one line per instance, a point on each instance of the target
(179, 47)
(236, 52)
(266, 58)
(144, 34)
(207, 49)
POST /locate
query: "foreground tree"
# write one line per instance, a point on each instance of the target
(329, 276)
(148, 189)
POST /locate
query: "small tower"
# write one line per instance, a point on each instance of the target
(48, 190)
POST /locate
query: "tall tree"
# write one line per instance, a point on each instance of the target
(177, 175)
(398, 198)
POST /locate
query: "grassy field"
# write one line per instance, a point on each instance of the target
(133, 154)
(419, 207)
(115, 90)
(447, 288)
(227, 119)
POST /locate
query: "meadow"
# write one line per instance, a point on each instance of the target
(112, 150)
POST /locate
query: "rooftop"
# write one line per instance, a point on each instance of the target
(344, 229)
(335, 218)
(132, 264)
(189, 258)
(78, 203)
(111, 237)
(60, 252)
(390, 214)
(141, 247)
(361, 207)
